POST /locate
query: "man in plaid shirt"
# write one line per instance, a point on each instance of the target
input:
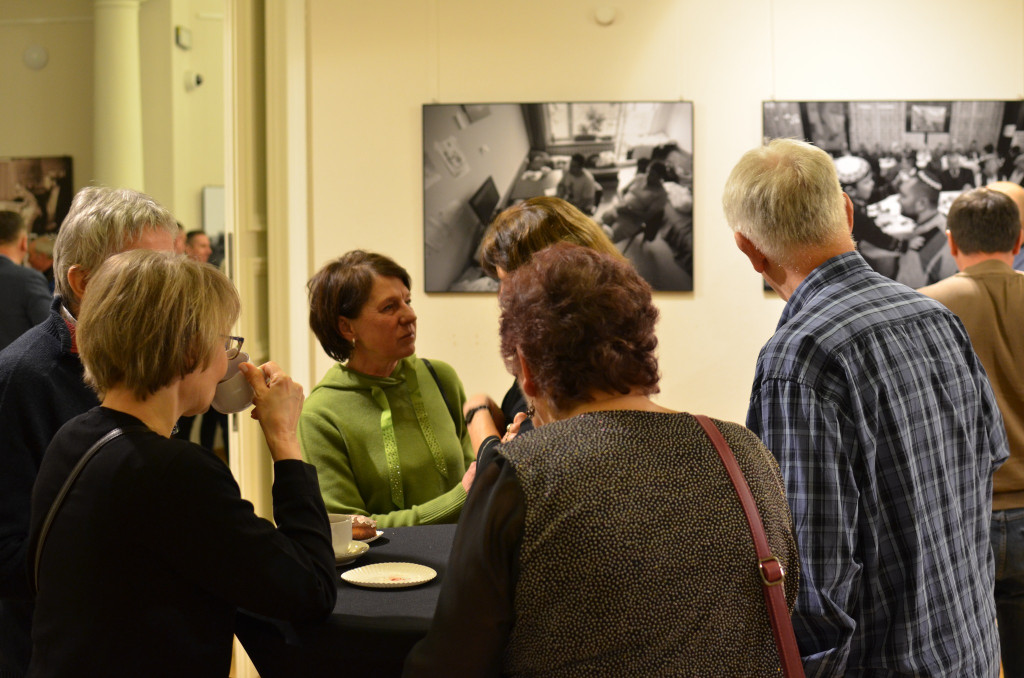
(887, 432)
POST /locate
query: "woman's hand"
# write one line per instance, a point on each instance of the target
(278, 403)
(513, 428)
(469, 477)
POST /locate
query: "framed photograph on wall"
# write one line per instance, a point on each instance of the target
(903, 163)
(627, 165)
(38, 188)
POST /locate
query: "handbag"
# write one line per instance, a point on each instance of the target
(55, 506)
(769, 568)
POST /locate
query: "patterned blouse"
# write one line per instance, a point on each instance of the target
(611, 544)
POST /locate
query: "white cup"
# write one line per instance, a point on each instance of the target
(234, 393)
(341, 533)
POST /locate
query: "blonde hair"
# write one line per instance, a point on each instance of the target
(785, 196)
(149, 318)
(103, 221)
(525, 229)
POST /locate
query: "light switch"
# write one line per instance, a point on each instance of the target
(183, 37)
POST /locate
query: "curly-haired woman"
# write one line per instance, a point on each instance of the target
(608, 541)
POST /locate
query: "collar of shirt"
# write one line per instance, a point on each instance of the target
(989, 267)
(72, 324)
(836, 267)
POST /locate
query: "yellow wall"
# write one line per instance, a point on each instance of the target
(50, 112)
(183, 129)
(373, 64)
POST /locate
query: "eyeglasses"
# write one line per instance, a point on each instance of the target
(233, 345)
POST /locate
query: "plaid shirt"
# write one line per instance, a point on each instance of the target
(887, 432)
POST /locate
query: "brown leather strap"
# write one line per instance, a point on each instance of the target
(769, 568)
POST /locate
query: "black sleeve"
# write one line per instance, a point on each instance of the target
(205, 530)
(475, 609)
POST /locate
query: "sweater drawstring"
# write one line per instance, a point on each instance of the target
(412, 379)
(387, 429)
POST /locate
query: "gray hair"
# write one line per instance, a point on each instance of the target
(785, 196)
(102, 222)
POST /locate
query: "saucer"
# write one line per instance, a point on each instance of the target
(355, 549)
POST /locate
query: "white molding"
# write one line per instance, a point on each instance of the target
(288, 234)
(250, 460)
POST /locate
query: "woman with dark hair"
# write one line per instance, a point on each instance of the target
(609, 541)
(383, 428)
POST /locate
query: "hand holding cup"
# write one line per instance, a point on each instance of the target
(278, 403)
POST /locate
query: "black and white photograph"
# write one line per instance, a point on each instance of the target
(40, 189)
(903, 163)
(628, 165)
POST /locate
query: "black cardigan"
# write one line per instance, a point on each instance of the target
(154, 549)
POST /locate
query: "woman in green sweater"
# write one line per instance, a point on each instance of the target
(383, 428)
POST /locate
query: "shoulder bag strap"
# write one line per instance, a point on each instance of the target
(440, 388)
(769, 568)
(55, 507)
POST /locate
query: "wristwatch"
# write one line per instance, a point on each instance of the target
(472, 413)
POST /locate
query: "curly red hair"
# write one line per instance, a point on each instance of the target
(584, 323)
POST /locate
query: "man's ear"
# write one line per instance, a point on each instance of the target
(1020, 241)
(77, 278)
(954, 250)
(757, 258)
(849, 211)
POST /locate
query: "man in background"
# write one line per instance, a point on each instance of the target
(40, 257)
(197, 246)
(886, 431)
(988, 296)
(41, 384)
(1016, 194)
(26, 298)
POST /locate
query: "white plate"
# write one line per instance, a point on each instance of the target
(389, 575)
(376, 536)
(355, 549)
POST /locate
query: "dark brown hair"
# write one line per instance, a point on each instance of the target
(11, 227)
(531, 226)
(583, 321)
(984, 220)
(340, 289)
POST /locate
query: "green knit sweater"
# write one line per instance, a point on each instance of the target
(387, 447)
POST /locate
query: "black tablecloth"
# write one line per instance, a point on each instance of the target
(371, 630)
